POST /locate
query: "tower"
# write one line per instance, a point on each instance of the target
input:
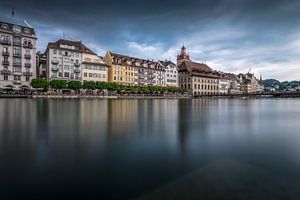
(183, 56)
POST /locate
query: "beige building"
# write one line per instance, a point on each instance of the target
(93, 68)
(198, 78)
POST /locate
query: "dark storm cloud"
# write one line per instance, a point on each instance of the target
(229, 33)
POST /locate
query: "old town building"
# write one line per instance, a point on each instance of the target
(171, 75)
(64, 59)
(249, 83)
(18, 56)
(93, 68)
(128, 70)
(41, 65)
(198, 78)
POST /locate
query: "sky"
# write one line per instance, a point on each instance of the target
(228, 35)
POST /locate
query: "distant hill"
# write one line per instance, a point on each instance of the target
(283, 86)
(271, 82)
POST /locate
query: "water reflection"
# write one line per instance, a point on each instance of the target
(124, 148)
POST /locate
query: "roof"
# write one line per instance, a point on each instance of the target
(79, 46)
(6, 26)
(197, 69)
(134, 60)
(166, 63)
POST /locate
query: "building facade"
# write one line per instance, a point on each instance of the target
(93, 68)
(128, 70)
(18, 56)
(198, 78)
(41, 65)
(64, 58)
(171, 75)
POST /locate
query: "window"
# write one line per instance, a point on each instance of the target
(5, 49)
(5, 77)
(85, 74)
(67, 74)
(67, 67)
(27, 79)
(17, 78)
(60, 74)
(54, 51)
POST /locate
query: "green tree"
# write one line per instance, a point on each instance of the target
(75, 85)
(58, 84)
(39, 83)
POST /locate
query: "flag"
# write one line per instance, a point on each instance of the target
(13, 11)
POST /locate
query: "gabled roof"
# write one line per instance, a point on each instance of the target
(193, 66)
(79, 46)
(166, 63)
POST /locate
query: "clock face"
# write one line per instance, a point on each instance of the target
(17, 29)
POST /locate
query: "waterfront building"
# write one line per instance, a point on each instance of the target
(128, 70)
(171, 75)
(64, 58)
(224, 84)
(198, 78)
(41, 65)
(249, 83)
(18, 56)
(93, 68)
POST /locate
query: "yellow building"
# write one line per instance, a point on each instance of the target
(120, 69)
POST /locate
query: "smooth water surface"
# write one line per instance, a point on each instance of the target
(121, 149)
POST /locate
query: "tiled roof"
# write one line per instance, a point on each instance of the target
(198, 69)
(79, 46)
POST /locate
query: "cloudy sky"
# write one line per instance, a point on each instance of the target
(229, 35)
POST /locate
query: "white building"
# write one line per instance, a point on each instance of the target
(171, 74)
(18, 56)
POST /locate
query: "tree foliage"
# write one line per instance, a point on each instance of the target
(39, 83)
(58, 84)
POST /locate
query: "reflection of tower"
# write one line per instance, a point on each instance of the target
(183, 56)
(183, 123)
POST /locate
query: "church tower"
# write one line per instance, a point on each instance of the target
(183, 56)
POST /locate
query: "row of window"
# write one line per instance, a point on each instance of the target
(125, 79)
(66, 75)
(16, 78)
(94, 75)
(6, 38)
(66, 60)
(65, 53)
(171, 75)
(92, 67)
(206, 87)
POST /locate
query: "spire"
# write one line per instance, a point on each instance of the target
(13, 11)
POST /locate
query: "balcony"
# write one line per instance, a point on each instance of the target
(17, 73)
(55, 62)
(28, 46)
(17, 64)
(6, 42)
(17, 43)
(54, 69)
(77, 64)
(17, 55)
(76, 71)
(5, 53)
(5, 72)
(27, 56)
(5, 62)
(17, 82)
(27, 73)
(28, 65)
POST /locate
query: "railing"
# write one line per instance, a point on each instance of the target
(28, 65)
(17, 64)
(28, 46)
(17, 73)
(18, 55)
(27, 73)
(17, 82)
(5, 72)
(54, 69)
(27, 56)
(16, 43)
(76, 71)
(5, 62)
(6, 42)
(77, 64)
(5, 53)
(55, 62)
